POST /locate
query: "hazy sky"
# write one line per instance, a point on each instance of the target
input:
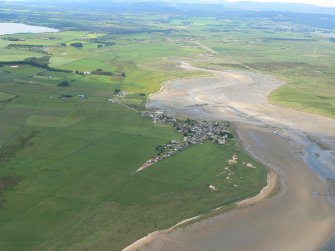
(330, 3)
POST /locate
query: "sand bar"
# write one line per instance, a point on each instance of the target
(299, 146)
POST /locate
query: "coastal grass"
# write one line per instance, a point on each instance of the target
(305, 64)
(304, 60)
(6, 96)
(75, 159)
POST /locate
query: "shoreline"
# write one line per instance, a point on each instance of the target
(272, 183)
(270, 187)
(275, 137)
(161, 89)
(255, 214)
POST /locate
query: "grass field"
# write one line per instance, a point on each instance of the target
(305, 62)
(68, 156)
(67, 167)
(6, 96)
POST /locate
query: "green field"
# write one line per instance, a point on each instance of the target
(305, 60)
(6, 96)
(68, 156)
(307, 66)
(67, 167)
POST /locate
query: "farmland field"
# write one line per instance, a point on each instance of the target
(71, 164)
(68, 155)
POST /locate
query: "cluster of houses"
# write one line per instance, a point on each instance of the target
(194, 132)
(113, 100)
(118, 95)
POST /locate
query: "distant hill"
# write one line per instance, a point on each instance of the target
(257, 6)
(178, 6)
(164, 5)
(284, 7)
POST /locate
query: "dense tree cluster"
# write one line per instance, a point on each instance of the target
(77, 45)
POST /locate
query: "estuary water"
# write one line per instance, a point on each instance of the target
(299, 146)
(15, 28)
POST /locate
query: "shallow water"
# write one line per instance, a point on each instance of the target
(14, 28)
(293, 220)
(320, 160)
(295, 144)
(330, 246)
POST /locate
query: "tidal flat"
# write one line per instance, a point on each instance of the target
(301, 215)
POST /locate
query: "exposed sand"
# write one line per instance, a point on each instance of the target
(264, 193)
(292, 220)
(240, 97)
(296, 145)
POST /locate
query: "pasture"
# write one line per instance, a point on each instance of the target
(72, 163)
(68, 155)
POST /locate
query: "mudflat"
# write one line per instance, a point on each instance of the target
(298, 146)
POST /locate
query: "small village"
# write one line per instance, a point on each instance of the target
(193, 131)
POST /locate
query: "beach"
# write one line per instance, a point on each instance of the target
(299, 147)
